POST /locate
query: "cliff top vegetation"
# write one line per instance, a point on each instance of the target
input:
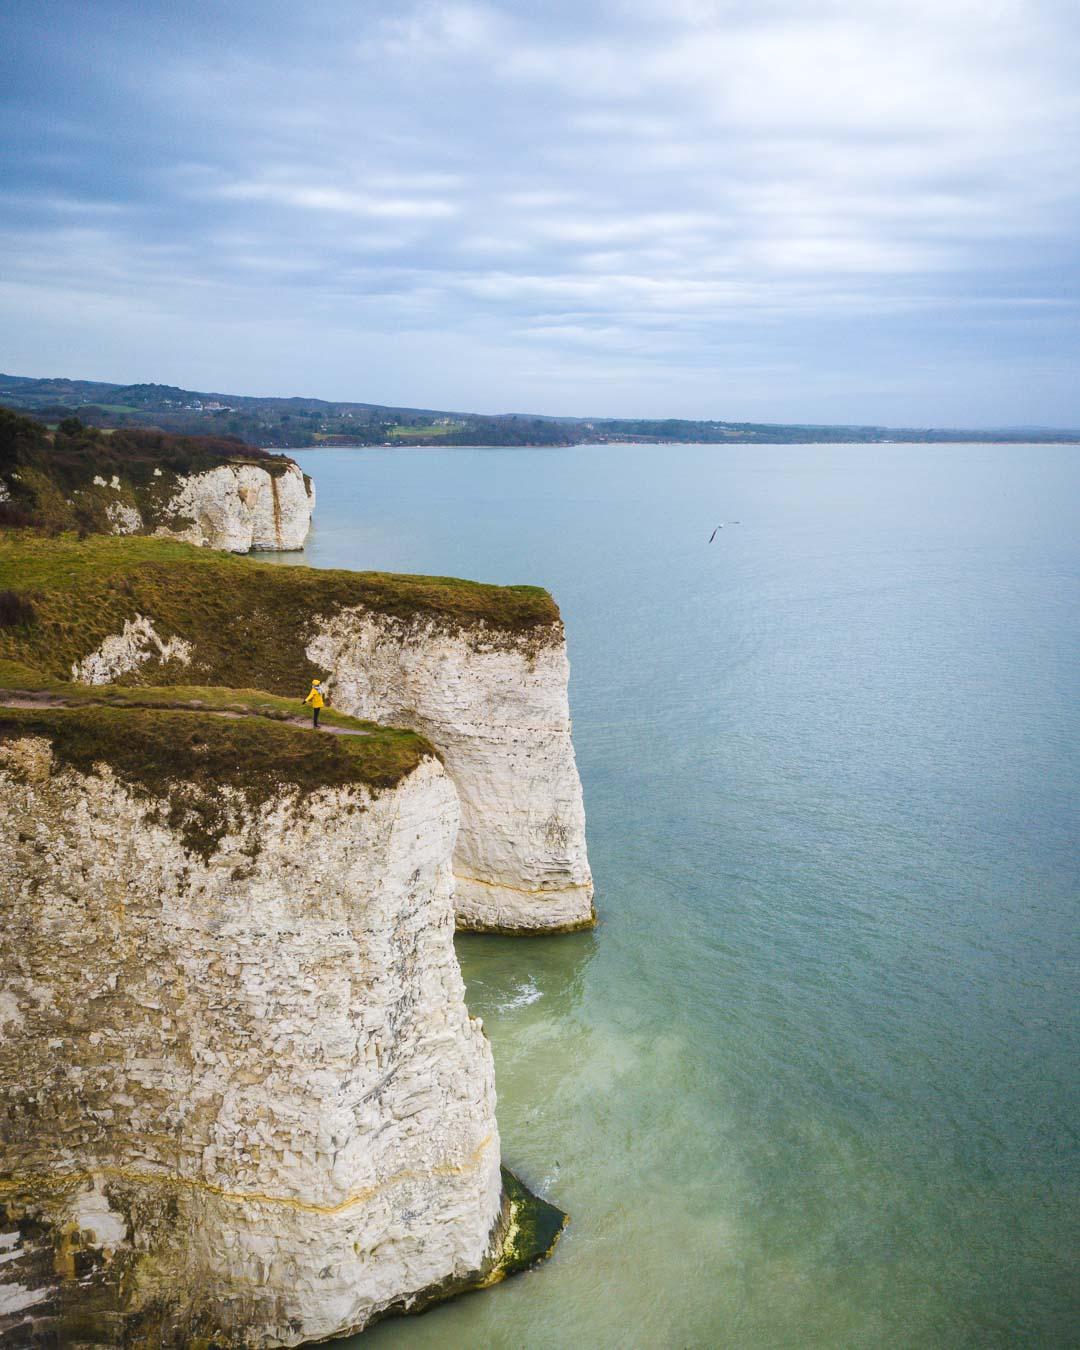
(249, 621)
(182, 758)
(17, 679)
(74, 453)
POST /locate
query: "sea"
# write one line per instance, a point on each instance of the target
(814, 1079)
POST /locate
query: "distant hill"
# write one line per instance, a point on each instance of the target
(292, 423)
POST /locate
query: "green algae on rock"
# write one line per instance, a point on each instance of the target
(89, 1303)
(582, 925)
(533, 1229)
(526, 1235)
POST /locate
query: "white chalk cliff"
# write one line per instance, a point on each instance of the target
(241, 1096)
(495, 705)
(240, 508)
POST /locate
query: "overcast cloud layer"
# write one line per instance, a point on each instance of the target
(819, 210)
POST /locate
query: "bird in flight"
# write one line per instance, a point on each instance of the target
(713, 535)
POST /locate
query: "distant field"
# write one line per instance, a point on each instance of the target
(401, 433)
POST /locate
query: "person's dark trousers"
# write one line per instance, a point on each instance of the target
(315, 718)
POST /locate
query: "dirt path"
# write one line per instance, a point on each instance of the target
(29, 699)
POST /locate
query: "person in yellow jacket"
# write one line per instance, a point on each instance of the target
(315, 701)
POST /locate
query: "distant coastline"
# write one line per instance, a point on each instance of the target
(972, 439)
(309, 423)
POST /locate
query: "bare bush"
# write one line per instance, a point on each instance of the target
(16, 611)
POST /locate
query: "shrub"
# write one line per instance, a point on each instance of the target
(16, 611)
(17, 516)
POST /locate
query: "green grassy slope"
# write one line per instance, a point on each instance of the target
(183, 758)
(249, 620)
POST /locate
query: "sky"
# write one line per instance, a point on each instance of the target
(781, 210)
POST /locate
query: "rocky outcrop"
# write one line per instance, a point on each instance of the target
(495, 705)
(124, 519)
(240, 508)
(480, 670)
(211, 491)
(121, 653)
(242, 1097)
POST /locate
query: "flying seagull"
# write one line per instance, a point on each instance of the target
(713, 535)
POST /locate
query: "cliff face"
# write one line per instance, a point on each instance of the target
(240, 508)
(242, 1096)
(496, 707)
(480, 670)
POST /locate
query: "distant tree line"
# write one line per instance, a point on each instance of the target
(292, 423)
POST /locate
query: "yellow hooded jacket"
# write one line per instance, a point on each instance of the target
(315, 698)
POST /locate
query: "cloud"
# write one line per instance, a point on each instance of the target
(673, 193)
(320, 197)
(595, 229)
(437, 32)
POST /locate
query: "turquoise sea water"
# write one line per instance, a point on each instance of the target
(813, 1081)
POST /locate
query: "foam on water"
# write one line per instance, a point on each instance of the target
(521, 997)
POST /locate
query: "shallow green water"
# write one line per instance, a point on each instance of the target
(814, 1079)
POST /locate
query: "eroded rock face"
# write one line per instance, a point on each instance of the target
(138, 644)
(495, 705)
(123, 518)
(239, 508)
(242, 1097)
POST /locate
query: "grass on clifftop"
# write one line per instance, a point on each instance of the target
(249, 621)
(18, 678)
(183, 758)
